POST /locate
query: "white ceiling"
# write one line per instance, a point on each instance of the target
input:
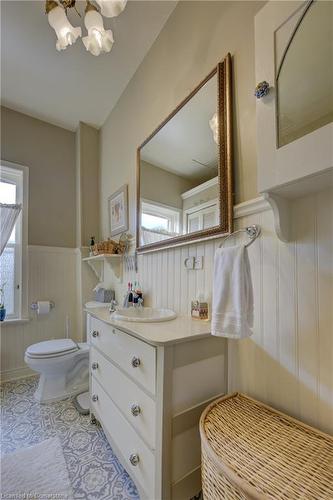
(71, 86)
(185, 145)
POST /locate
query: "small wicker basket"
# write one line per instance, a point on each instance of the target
(251, 451)
(108, 247)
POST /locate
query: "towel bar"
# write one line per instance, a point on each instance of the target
(252, 231)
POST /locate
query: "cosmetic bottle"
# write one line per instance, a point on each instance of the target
(199, 308)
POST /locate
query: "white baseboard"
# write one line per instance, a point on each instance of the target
(16, 373)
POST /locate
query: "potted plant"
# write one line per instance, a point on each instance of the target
(2, 303)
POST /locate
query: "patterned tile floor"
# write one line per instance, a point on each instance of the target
(93, 468)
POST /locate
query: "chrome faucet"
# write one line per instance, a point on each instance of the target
(113, 306)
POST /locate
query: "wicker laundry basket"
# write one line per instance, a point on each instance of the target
(251, 451)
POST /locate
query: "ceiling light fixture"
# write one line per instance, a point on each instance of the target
(58, 20)
(111, 8)
(98, 40)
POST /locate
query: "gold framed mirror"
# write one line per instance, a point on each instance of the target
(184, 169)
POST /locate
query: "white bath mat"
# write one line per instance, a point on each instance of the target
(39, 471)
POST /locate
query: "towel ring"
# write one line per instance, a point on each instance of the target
(252, 231)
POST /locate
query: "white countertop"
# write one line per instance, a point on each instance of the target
(180, 329)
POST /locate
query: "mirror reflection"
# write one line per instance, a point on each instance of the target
(305, 77)
(179, 185)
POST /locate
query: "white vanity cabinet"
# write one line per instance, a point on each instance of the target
(149, 384)
(293, 54)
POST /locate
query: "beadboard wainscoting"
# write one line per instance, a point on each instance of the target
(288, 362)
(52, 276)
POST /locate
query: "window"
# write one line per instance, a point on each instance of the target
(201, 216)
(13, 184)
(160, 218)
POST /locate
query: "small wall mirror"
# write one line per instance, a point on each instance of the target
(185, 169)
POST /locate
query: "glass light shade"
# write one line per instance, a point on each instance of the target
(66, 33)
(214, 125)
(111, 8)
(98, 40)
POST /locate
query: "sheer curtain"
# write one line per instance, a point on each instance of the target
(151, 236)
(8, 217)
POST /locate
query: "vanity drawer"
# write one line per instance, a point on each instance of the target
(134, 403)
(135, 357)
(125, 439)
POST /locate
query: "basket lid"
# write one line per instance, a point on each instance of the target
(265, 452)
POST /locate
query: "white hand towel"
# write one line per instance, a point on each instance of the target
(232, 309)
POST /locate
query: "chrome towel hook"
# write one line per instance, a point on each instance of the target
(252, 232)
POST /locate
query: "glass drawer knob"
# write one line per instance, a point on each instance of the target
(135, 410)
(134, 459)
(94, 398)
(95, 333)
(136, 362)
(262, 89)
(94, 365)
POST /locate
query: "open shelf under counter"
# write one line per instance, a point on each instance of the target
(97, 263)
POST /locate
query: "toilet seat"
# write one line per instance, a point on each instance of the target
(52, 348)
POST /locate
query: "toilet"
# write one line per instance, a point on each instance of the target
(63, 366)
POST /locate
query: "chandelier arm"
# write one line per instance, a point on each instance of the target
(68, 4)
(90, 6)
(50, 5)
(78, 13)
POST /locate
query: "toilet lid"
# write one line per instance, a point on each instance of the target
(58, 346)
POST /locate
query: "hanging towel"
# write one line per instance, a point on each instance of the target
(232, 309)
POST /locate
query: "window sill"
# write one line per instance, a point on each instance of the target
(9, 322)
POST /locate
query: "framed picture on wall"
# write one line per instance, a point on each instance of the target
(118, 211)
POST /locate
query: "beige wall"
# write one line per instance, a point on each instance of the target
(195, 38)
(87, 187)
(49, 152)
(162, 186)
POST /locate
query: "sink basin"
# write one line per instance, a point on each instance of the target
(144, 314)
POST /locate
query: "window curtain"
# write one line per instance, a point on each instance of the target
(8, 217)
(150, 236)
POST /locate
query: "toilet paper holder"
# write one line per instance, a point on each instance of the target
(34, 305)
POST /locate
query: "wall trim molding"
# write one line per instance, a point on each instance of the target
(16, 373)
(250, 207)
(198, 189)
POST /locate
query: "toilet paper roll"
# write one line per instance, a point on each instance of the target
(43, 307)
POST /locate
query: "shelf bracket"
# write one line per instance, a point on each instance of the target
(116, 266)
(98, 268)
(97, 264)
(281, 211)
